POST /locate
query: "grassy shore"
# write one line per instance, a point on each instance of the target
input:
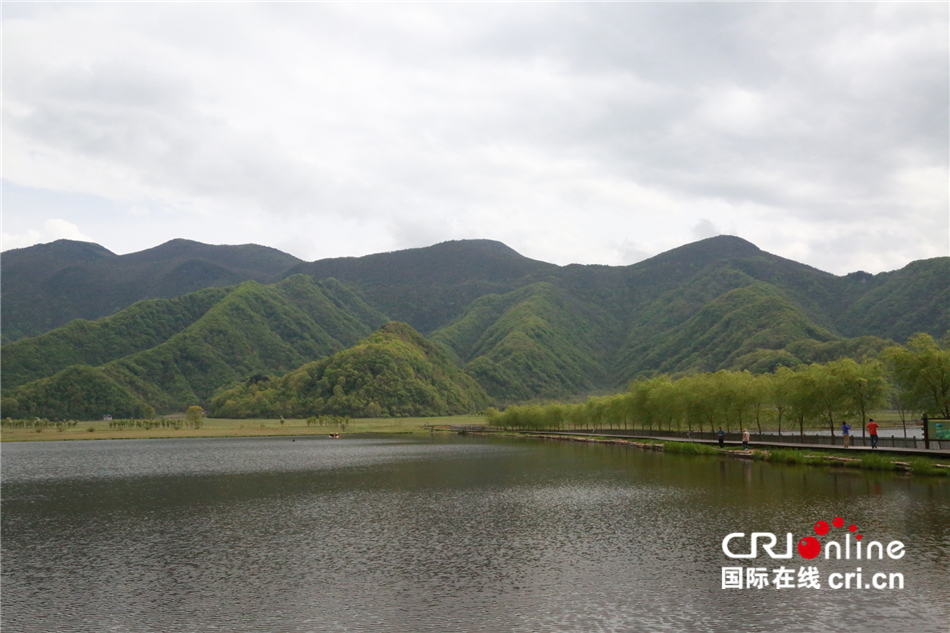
(235, 428)
(99, 430)
(917, 465)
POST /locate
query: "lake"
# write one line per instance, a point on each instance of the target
(445, 533)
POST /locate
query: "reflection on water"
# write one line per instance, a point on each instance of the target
(441, 534)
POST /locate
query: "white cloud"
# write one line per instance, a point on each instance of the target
(21, 240)
(53, 229)
(59, 229)
(595, 133)
(138, 210)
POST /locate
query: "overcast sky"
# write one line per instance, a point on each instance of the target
(573, 132)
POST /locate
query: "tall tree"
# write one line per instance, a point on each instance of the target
(866, 388)
(921, 372)
(781, 390)
(828, 389)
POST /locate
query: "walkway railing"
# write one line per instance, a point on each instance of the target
(789, 438)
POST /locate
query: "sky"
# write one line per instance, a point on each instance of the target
(593, 133)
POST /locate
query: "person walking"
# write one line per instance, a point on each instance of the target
(872, 431)
(745, 439)
(846, 434)
(721, 436)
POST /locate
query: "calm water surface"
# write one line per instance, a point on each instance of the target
(440, 534)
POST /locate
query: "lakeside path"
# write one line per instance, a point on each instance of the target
(911, 461)
(917, 461)
(906, 452)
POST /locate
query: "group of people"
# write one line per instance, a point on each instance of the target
(872, 431)
(721, 436)
(845, 433)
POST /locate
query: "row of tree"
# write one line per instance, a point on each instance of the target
(327, 420)
(913, 380)
(36, 423)
(148, 424)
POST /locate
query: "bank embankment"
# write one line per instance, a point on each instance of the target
(879, 460)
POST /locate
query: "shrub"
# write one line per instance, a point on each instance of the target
(922, 466)
(875, 461)
(195, 416)
(689, 448)
(787, 456)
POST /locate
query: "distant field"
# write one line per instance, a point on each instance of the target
(236, 428)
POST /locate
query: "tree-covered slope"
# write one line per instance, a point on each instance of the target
(915, 298)
(394, 372)
(428, 287)
(256, 328)
(48, 285)
(251, 329)
(724, 333)
(524, 329)
(536, 342)
(78, 392)
(140, 327)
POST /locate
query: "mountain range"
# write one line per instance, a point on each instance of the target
(176, 324)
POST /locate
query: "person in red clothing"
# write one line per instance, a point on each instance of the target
(872, 431)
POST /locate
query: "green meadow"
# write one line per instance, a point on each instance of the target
(212, 427)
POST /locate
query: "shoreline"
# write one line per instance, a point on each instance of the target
(937, 465)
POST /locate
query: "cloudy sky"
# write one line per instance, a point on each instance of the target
(573, 132)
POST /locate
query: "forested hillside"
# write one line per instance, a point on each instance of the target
(394, 372)
(48, 285)
(428, 287)
(524, 330)
(144, 325)
(250, 329)
(536, 342)
(915, 298)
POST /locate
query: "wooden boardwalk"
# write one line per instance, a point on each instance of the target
(753, 444)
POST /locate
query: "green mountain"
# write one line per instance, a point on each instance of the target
(48, 285)
(523, 329)
(394, 372)
(539, 341)
(79, 393)
(247, 329)
(723, 334)
(915, 298)
(717, 304)
(138, 328)
(428, 287)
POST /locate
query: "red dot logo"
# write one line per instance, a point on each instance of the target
(809, 547)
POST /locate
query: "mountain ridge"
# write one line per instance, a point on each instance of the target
(524, 329)
(48, 285)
